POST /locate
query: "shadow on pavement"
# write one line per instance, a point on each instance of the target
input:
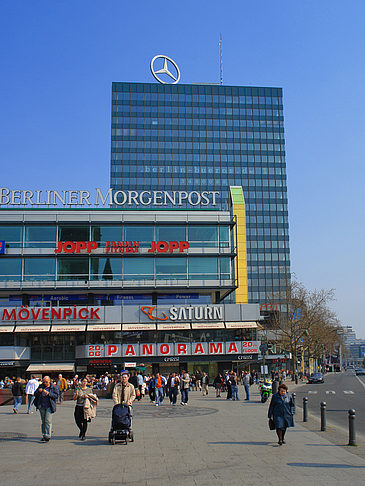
(241, 443)
(314, 464)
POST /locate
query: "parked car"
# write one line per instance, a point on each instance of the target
(315, 378)
(360, 371)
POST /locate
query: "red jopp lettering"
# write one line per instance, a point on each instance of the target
(215, 348)
(66, 312)
(11, 316)
(182, 349)
(162, 246)
(45, 313)
(165, 349)
(232, 348)
(147, 349)
(153, 247)
(35, 314)
(80, 245)
(199, 349)
(59, 247)
(173, 245)
(94, 313)
(56, 313)
(82, 311)
(69, 247)
(130, 351)
(91, 245)
(184, 245)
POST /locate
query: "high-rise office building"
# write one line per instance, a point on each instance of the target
(208, 138)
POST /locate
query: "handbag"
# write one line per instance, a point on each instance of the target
(271, 424)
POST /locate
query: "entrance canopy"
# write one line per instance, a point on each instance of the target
(51, 367)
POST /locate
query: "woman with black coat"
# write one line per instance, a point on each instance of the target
(17, 391)
(281, 411)
(218, 382)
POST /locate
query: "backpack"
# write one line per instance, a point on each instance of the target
(121, 417)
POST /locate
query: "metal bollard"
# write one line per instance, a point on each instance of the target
(352, 436)
(305, 409)
(323, 416)
(274, 387)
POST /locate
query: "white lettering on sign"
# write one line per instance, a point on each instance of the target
(25, 313)
(196, 313)
(51, 197)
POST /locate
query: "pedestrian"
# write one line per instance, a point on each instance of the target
(198, 377)
(17, 391)
(140, 383)
(30, 389)
(234, 385)
(62, 387)
(158, 384)
(106, 380)
(86, 401)
(229, 384)
(184, 388)
(205, 384)
(218, 381)
(281, 411)
(246, 384)
(124, 391)
(45, 401)
(173, 384)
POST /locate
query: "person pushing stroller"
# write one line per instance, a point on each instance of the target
(124, 392)
(124, 395)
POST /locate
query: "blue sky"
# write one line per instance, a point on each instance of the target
(59, 58)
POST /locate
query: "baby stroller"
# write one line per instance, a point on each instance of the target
(121, 429)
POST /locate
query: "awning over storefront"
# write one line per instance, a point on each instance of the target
(241, 325)
(52, 367)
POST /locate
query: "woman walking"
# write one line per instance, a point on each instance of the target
(84, 398)
(218, 382)
(17, 391)
(281, 411)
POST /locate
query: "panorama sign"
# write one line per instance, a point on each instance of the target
(111, 197)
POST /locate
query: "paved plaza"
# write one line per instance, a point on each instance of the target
(209, 442)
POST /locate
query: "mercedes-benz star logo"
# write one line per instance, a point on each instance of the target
(165, 70)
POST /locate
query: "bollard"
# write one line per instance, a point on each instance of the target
(323, 416)
(352, 427)
(305, 409)
(294, 397)
(274, 387)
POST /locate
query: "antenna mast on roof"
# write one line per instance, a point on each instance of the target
(221, 59)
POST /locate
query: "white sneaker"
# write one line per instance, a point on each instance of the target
(156, 404)
(182, 403)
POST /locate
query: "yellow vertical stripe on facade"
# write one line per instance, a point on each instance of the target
(239, 210)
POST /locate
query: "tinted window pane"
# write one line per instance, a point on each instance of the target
(39, 269)
(106, 269)
(12, 235)
(106, 233)
(10, 268)
(171, 233)
(203, 236)
(224, 236)
(203, 268)
(73, 233)
(73, 268)
(40, 236)
(143, 234)
(225, 268)
(138, 268)
(171, 268)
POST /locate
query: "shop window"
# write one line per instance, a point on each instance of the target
(171, 268)
(73, 268)
(40, 236)
(10, 269)
(12, 235)
(106, 269)
(203, 268)
(203, 236)
(39, 269)
(137, 268)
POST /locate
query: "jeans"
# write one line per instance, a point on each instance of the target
(247, 390)
(17, 402)
(61, 396)
(235, 392)
(30, 403)
(173, 395)
(159, 395)
(184, 395)
(46, 422)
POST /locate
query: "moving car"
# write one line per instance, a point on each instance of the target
(315, 378)
(360, 371)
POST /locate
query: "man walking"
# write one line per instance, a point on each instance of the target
(30, 389)
(45, 401)
(17, 391)
(205, 384)
(246, 384)
(62, 387)
(158, 385)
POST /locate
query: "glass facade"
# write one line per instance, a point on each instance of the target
(208, 138)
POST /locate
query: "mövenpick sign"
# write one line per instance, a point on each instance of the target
(111, 197)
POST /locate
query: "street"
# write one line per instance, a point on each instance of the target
(341, 391)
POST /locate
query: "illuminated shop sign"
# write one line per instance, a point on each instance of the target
(185, 313)
(269, 307)
(170, 349)
(2, 247)
(25, 313)
(111, 197)
(121, 246)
